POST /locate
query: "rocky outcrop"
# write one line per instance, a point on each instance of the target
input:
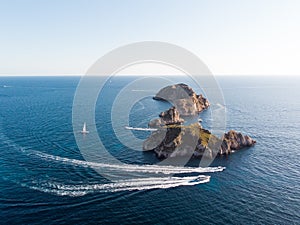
(172, 139)
(193, 140)
(233, 140)
(171, 116)
(186, 101)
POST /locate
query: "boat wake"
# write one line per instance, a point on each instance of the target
(6, 86)
(140, 128)
(157, 169)
(122, 185)
(158, 176)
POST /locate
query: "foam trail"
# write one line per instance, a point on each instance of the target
(122, 185)
(157, 169)
(146, 183)
(140, 128)
(131, 167)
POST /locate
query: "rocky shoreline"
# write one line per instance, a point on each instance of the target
(183, 98)
(173, 139)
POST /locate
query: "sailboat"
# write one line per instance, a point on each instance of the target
(84, 130)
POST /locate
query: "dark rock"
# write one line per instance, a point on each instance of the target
(154, 140)
(177, 140)
(193, 140)
(233, 140)
(187, 102)
(172, 139)
(171, 116)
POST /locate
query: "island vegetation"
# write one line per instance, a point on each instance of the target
(174, 139)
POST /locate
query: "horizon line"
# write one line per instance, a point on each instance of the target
(80, 75)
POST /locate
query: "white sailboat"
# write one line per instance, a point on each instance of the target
(84, 130)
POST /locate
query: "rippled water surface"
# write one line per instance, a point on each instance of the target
(45, 179)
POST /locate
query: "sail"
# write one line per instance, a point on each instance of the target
(84, 130)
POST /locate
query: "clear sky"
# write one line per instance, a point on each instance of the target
(64, 37)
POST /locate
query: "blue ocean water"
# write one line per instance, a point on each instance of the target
(45, 179)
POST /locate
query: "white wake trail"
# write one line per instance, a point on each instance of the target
(140, 128)
(122, 185)
(157, 169)
(145, 183)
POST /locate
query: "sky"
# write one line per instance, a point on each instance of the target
(232, 37)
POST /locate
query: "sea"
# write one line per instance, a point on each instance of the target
(47, 178)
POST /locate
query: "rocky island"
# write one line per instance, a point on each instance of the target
(184, 99)
(173, 139)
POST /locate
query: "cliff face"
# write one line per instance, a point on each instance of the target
(172, 139)
(233, 140)
(186, 101)
(171, 116)
(195, 141)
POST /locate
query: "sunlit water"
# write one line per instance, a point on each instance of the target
(45, 179)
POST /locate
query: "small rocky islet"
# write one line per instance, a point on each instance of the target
(174, 139)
